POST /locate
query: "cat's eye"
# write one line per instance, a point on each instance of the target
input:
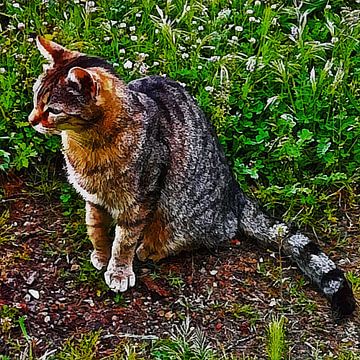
(54, 111)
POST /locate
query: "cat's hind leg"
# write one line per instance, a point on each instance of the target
(98, 221)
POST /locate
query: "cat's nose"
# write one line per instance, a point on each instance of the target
(34, 118)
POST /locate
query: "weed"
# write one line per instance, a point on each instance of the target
(84, 347)
(276, 340)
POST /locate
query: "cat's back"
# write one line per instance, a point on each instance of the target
(199, 188)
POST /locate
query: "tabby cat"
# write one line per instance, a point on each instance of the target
(144, 155)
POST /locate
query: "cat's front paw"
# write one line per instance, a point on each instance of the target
(119, 278)
(99, 259)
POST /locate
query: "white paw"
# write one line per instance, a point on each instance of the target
(98, 259)
(119, 279)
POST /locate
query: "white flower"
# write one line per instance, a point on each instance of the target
(334, 39)
(185, 55)
(156, 63)
(132, 28)
(156, 31)
(257, 3)
(327, 7)
(30, 40)
(252, 19)
(21, 26)
(209, 89)
(234, 38)
(122, 25)
(199, 67)
(16, 5)
(113, 22)
(128, 64)
(252, 40)
(251, 64)
(91, 4)
(143, 69)
(239, 28)
(200, 28)
(133, 38)
(122, 51)
(115, 64)
(249, 11)
(138, 15)
(273, 6)
(107, 38)
(224, 13)
(2, 71)
(214, 58)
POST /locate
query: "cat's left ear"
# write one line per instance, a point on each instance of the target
(52, 51)
(84, 80)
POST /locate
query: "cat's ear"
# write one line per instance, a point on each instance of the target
(52, 51)
(84, 80)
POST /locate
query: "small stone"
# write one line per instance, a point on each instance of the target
(47, 319)
(74, 267)
(272, 302)
(34, 293)
(213, 272)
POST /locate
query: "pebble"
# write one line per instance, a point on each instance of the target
(34, 293)
(213, 272)
(47, 319)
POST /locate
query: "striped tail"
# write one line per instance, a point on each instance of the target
(313, 262)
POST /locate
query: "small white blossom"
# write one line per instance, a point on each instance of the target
(182, 84)
(251, 64)
(215, 58)
(200, 28)
(224, 13)
(199, 67)
(16, 5)
(122, 25)
(234, 38)
(334, 39)
(156, 31)
(30, 40)
(115, 64)
(113, 22)
(133, 38)
(132, 28)
(143, 69)
(257, 3)
(45, 23)
(273, 6)
(21, 26)
(122, 51)
(185, 55)
(107, 38)
(138, 15)
(249, 11)
(128, 64)
(252, 40)
(2, 70)
(252, 19)
(209, 89)
(239, 28)
(328, 7)
(156, 63)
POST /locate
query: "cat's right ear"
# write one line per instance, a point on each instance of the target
(52, 51)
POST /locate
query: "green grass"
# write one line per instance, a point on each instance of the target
(276, 340)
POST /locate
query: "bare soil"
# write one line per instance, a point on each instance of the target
(44, 275)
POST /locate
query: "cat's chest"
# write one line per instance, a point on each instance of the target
(103, 188)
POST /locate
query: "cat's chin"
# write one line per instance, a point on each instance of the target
(44, 130)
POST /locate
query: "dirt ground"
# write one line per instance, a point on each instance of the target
(231, 294)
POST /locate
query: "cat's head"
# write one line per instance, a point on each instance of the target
(67, 95)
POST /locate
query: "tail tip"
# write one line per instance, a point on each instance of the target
(343, 302)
